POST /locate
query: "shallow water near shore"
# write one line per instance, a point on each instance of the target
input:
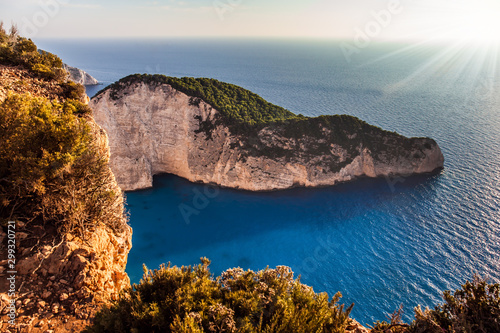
(381, 242)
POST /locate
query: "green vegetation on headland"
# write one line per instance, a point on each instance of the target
(236, 104)
(242, 110)
(246, 113)
(240, 107)
(189, 299)
(53, 169)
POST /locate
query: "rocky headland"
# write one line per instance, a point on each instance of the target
(80, 76)
(160, 125)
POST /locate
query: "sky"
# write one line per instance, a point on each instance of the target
(357, 20)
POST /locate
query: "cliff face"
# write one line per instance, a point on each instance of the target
(154, 128)
(79, 76)
(62, 279)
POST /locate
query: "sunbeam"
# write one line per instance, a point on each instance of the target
(459, 42)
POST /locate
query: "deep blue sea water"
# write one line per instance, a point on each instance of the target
(381, 242)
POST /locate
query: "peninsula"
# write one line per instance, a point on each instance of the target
(212, 132)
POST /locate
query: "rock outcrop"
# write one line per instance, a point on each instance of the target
(61, 279)
(79, 76)
(20, 80)
(154, 128)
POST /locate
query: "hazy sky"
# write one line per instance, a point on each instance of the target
(347, 19)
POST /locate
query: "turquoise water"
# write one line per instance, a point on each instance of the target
(381, 242)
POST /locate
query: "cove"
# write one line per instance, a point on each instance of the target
(342, 238)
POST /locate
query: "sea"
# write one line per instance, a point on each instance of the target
(381, 242)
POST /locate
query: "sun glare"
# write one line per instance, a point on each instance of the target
(474, 21)
(461, 41)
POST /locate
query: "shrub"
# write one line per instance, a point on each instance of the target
(50, 59)
(43, 71)
(3, 33)
(15, 50)
(72, 90)
(24, 46)
(395, 324)
(77, 107)
(53, 169)
(475, 307)
(188, 299)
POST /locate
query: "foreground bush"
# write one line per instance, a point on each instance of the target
(474, 308)
(53, 169)
(53, 161)
(189, 299)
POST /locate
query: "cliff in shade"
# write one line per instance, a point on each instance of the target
(154, 127)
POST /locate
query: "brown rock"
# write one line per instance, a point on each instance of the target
(65, 264)
(78, 262)
(21, 235)
(355, 327)
(27, 266)
(55, 308)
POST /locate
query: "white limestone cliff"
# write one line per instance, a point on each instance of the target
(154, 129)
(79, 76)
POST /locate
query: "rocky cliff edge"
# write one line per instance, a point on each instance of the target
(61, 280)
(154, 128)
